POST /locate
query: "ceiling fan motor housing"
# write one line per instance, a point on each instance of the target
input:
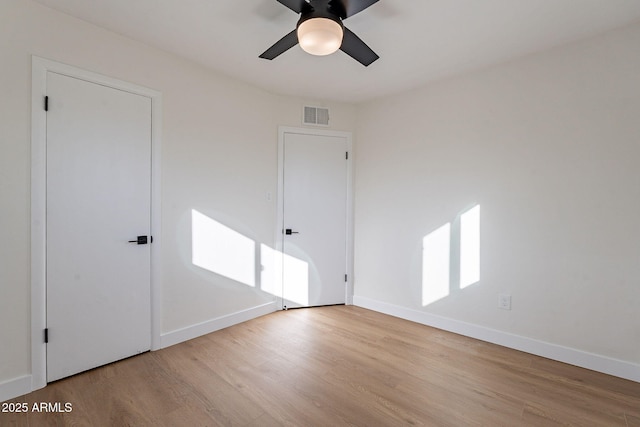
(320, 12)
(319, 29)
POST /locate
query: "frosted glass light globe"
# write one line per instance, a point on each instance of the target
(320, 36)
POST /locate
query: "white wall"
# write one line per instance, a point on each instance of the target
(549, 146)
(219, 156)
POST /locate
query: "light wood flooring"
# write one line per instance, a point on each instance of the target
(336, 366)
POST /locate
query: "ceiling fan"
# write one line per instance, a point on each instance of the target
(320, 30)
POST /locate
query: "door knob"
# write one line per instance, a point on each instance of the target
(141, 240)
(290, 231)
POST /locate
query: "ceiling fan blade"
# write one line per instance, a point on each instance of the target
(357, 49)
(281, 46)
(347, 8)
(295, 5)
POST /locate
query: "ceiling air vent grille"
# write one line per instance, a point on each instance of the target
(318, 116)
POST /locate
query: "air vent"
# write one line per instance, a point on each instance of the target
(318, 116)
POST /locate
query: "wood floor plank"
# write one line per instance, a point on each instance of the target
(335, 366)
(632, 421)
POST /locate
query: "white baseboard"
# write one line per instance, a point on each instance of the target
(15, 387)
(595, 362)
(199, 329)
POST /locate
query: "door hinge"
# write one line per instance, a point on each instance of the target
(345, 277)
(46, 103)
(346, 155)
(46, 335)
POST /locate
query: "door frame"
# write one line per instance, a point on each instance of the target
(282, 130)
(39, 69)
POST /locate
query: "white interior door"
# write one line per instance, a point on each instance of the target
(98, 199)
(314, 238)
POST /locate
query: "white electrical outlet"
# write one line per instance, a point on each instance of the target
(504, 301)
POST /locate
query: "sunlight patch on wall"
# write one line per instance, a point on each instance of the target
(295, 282)
(270, 270)
(221, 250)
(470, 247)
(451, 257)
(436, 264)
(292, 286)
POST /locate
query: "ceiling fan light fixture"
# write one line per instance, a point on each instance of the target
(320, 36)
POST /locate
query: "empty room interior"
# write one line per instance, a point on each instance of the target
(436, 224)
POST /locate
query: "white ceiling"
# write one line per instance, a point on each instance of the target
(418, 40)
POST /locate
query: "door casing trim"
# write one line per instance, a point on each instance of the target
(39, 68)
(282, 130)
